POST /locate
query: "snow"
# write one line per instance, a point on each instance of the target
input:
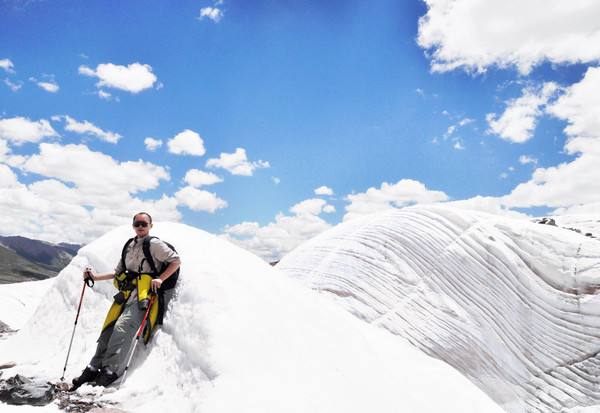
(240, 336)
(511, 304)
(19, 301)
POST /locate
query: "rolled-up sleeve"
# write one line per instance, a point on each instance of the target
(119, 268)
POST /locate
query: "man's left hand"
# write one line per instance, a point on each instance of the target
(156, 283)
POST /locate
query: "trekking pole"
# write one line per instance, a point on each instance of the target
(88, 281)
(137, 338)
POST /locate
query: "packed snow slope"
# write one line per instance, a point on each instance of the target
(511, 304)
(240, 337)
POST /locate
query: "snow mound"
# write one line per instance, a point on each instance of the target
(511, 304)
(240, 337)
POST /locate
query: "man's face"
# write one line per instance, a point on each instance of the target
(141, 225)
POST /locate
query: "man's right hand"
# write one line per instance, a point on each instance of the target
(87, 273)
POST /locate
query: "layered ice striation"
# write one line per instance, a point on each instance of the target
(511, 304)
(239, 337)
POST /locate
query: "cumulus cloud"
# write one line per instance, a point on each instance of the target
(518, 121)
(236, 163)
(198, 178)
(7, 65)
(575, 182)
(275, 239)
(490, 205)
(403, 193)
(48, 85)
(88, 129)
(19, 130)
(213, 13)
(187, 142)
(8, 179)
(152, 144)
(82, 194)
(94, 172)
(324, 190)
(132, 78)
(312, 206)
(199, 200)
(476, 34)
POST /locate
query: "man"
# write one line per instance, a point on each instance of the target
(135, 278)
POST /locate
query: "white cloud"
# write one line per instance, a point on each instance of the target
(88, 128)
(49, 85)
(587, 209)
(14, 86)
(285, 233)
(20, 130)
(329, 209)
(458, 144)
(199, 200)
(245, 229)
(7, 157)
(213, 13)
(324, 190)
(8, 179)
(236, 163)
(580, 106)
(402, 193)
(198, 178)
(277, 238)
(187, 142)
(132, 78)
(519, 119)
(7, 65)
(490, 205)
(575, 182)
(525, 159)
(87, 194)
(475, 34)
(102, 94)
(312, 206)
(276, 180)
(94, 172)
(152, 144)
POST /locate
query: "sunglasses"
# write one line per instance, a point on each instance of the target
(143, 224)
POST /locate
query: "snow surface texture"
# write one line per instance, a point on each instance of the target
(511, 304)
(240, 337)
(19, 301)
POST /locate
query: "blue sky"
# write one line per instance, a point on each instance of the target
(336, 94)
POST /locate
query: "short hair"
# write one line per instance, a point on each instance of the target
(143, 213)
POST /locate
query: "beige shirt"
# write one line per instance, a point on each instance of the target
(135, 256)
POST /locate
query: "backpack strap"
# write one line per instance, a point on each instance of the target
(124, 253)
(148, 256)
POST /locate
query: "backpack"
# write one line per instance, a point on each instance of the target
(169, 282)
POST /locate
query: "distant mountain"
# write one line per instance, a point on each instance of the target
(24, 259)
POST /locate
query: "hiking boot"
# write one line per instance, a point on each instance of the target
(88, 374)
(106, 377)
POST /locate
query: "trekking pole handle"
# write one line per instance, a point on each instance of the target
(89, 279)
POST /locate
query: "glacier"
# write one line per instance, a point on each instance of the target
(240, 336)
(511, 304)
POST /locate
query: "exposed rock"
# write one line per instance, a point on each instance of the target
(20, 390)
(4, 328)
